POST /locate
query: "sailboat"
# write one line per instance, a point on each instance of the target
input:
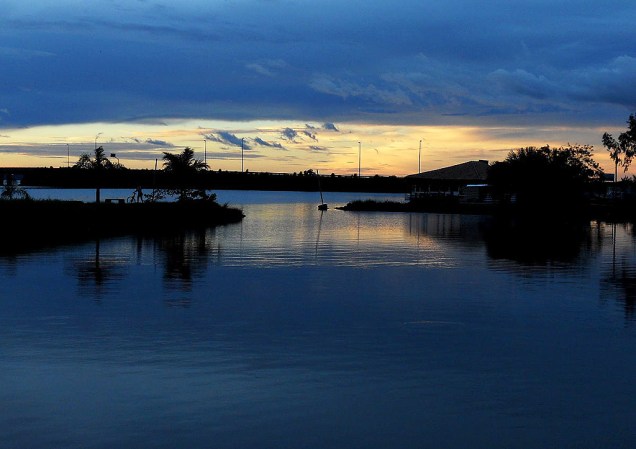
(322, 205)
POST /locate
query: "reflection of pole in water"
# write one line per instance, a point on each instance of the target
(319, 228)
(613, 249)
(98, 272)
(414, 228)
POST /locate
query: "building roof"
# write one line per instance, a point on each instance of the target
(468, 171)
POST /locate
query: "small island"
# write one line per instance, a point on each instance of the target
(28, 223)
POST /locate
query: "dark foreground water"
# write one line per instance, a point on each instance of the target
(297, 329)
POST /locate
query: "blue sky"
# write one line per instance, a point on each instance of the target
(534, 72)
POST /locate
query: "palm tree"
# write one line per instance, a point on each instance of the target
(183, 167)
(183, 163)
(623, 149)
(99, 161)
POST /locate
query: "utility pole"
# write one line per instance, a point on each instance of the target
(242, 148)
(205, 151)
(419, 159)
(359, 157)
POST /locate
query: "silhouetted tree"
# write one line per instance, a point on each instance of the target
(11, 189)
(183, 167)
(546, 176)
(98, 161)
(623, 149)
(183, 163)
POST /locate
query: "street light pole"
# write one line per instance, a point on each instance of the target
(419, 159)
(68, 156)
(359, 157)
(242, 149)
(205, 151)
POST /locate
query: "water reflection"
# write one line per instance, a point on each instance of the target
(619, 275)
(185, 257)
(301, 329)
(537, 242)
(455, 229)
(97, 273)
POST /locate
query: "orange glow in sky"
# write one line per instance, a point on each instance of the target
(273, 146)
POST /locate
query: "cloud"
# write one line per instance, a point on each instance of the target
(227, 138)
(524, 83)
(24, 53)
(160, 143)
(310, 134)
(263, 60)
(289, 134)
(369, 92)
(258, 68)
(264, 143)
(611, 83)
(330, 127)
(267, 68)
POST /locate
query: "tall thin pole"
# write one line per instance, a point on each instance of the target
(154, 180)
(205, 151)
(419, 159)
(359, 157)
(242, 145)
(68, 156)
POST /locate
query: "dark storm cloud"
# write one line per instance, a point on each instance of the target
(460, 61)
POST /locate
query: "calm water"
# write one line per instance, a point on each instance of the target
(296, 329)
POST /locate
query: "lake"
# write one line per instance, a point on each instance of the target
(302, 329)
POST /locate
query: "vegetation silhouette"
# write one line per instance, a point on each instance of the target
(78, 221)
(623, 149)
(183, 169)
(557, 180)
(97, 161)
(12, 190)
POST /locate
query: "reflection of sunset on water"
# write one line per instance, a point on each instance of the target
(294, 315)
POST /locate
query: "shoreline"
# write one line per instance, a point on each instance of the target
(611, 211)
(41, 223)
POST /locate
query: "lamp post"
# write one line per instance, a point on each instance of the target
(68, 156)
(419, 159)
(242, 149)
(359, 158)
(205, 151)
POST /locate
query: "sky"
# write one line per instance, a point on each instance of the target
(292, 85)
